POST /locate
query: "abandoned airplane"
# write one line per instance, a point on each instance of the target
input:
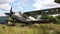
(27, 18)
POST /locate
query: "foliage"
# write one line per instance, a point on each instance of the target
(57, 1)
(32, 29)
(44, 17)
(55, 19)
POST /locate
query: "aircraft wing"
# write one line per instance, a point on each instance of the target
(49, 11)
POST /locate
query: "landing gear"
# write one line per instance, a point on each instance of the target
(10, 23)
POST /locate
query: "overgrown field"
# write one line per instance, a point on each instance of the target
(31, 29)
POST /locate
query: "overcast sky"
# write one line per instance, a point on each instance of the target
(26, 5)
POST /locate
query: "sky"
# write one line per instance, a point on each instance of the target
(25, 5)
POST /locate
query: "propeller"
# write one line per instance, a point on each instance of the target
(11, 12)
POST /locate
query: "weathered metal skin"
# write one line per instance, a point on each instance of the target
(21, 19)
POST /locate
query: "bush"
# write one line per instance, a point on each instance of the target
(55, 20)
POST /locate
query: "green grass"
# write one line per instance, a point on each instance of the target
(33, 29)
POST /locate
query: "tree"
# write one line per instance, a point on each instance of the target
(57, 1)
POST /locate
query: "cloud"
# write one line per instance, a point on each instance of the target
(2, 13)
(22, 3)
(4, 6)
(5, 1)
(36, 4)
(44, 4)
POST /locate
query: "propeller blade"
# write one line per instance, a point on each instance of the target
(11, 12)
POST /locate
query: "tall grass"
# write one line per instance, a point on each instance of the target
(33, 29)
